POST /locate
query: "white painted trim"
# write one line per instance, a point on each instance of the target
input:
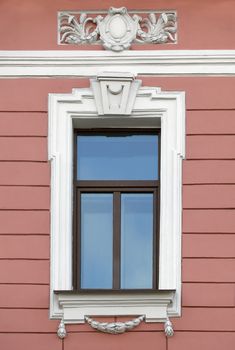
(154, 307)
(152, 108)
(90, 63)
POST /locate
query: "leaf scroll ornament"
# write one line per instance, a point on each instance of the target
(155, 30)
(74, 31)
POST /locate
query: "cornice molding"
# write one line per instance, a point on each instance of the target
(89, 63)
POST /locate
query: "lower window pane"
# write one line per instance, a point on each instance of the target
(96, 241)
(136, 241)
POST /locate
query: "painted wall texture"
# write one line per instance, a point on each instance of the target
(208, 275)
(30, 25)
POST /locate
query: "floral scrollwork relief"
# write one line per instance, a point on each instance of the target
(118, 29)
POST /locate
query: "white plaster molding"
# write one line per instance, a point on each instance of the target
(89, 63)
(114, 327)
(154, 306)
(61, 332)
(114, 92)
(168, 327)
(118, 29)
(152, 108)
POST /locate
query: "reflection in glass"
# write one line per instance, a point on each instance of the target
(96, 240)
(136, 240)
(127, 157)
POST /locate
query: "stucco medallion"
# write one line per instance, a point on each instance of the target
(118, 29)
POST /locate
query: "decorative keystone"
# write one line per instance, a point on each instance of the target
(115, 92)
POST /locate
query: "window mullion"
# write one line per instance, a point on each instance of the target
(116, 239)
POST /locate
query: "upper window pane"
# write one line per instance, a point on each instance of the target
(117, 157)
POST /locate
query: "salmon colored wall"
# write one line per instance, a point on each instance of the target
(32, 25)
(208, 313)
(208, 265)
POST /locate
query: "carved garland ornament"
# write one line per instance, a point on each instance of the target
(117, 30)
(114, 327)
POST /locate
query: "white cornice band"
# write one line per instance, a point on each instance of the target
(52, 64)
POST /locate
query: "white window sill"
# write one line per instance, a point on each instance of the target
(154, 306)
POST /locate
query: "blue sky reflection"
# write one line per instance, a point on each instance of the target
(136, 240)
(130, 157)
(96, 241)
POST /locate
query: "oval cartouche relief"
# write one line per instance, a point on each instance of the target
(117, 27)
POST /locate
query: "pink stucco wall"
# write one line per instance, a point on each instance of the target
(32, 25)
(208, 314)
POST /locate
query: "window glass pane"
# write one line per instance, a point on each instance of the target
(127, 157)
(136, 240)
(96, 240)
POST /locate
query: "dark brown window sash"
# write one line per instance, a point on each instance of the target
(116, 188)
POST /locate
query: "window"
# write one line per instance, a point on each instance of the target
(116, 194)
(116, 103)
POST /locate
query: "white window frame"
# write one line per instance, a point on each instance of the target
(144, 107)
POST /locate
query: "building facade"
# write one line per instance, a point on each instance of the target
(183, 86)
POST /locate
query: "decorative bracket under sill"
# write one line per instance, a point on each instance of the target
(61, 332)
(168, 327)
(115, 327)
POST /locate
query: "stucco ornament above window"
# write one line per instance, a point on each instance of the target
(117, 30)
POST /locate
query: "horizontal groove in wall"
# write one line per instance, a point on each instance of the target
(190, 209)
(209, 109)
(22, 111)
(206, 159)
(23, 161)
(209, 184)
(208, 282)
(27, 186)
(210, 135)
(23, 136)
(24, 284)
(24, 259)
(208, 257)
(44, 210)
(25, 234)
(197, 184)
(204, 307)
(209, 233)
(206, 134)
(23, 308)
